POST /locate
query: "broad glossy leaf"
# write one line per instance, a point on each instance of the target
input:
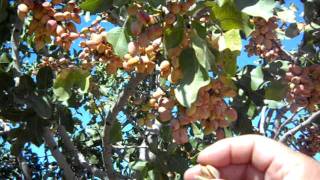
(194, 78)
(68, 79)
(6, 81)
(197, 132)
(45, 78)
(173, 36)
(263, 8)
(4, 58)
(65, 118)
(139, 165)
(228, 60)
(257, 78)
(231, 40)
(201, 30)
(96, 6)
(26, 84)
(202, 51)
(227, 15)
(40, 105)
(276, 91)
(118, 38)
(292, 31)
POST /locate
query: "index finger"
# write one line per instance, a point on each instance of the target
(256, 150)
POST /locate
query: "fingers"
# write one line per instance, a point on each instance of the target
(255, 157)
(253, 149)
(230, 172)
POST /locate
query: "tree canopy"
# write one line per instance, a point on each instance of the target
(132, 89)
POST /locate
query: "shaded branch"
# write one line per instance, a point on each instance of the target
(301, 126)
(122, 100)
(78, 155)
(24, 167)
(15, 41)
(61, 160)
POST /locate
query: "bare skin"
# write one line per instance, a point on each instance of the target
(253, 157)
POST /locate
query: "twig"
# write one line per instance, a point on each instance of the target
(293, 131)
(61, 160)
(128, 147)
(122, 100)
(284, 124)
(78, 155)
(263, 120)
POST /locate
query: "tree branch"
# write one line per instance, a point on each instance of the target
(263, 121)
(293, 131)
(277, 133)
(24, 167)
(61, 160)
(122, 100)
(78, 155)
(15, 36)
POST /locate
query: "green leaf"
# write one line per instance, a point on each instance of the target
(231, 40)
(257, 78)
(115, 133)
(157, 3)
(173, 36)
(4, 58)
(178, 163)
(227, 15)
(227, 132)
(202, 51)
(120, 3)
(26, 84)
(201, 30)
(96, 6)
(292, 31)
(263, 9)
(194, 78)
(228, 60)
(245, 3)
(274, 104)
(67, 80)
(6, 81)
(138, 165)
(40, 105)
(276, 91)
(278, 67)
(45, 78)
(197, 132)
(65, 118)
(117, 37)
(166, 133)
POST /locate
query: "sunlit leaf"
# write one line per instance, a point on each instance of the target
(256, 78)
(263, 8)
(194, 78)
(118, 38)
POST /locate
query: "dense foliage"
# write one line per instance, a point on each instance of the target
(132, 89)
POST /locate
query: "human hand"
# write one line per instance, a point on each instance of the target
(255, 157)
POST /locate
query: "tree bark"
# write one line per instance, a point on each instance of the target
(301, 126)
(61, 160)
(78, 155)
(24, 167)
(122, 100)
